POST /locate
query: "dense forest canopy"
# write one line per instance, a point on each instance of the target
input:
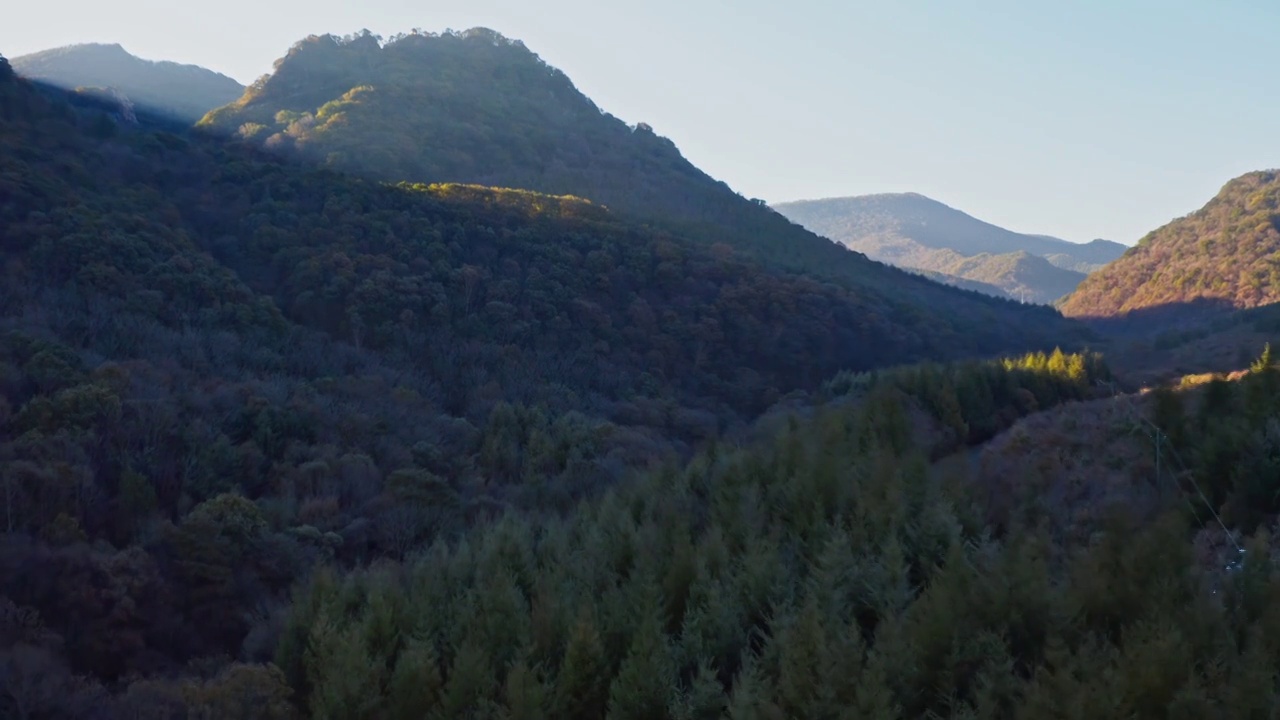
(825, 574)
(184, 92)
(1225, 256)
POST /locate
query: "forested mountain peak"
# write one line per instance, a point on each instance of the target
(328, 63)
(1226, 255)
(476, 107)
(474, 62)
(185, 92)
(461, 106)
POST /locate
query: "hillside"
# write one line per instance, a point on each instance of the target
(185, 92)
(475, 107)
(913, 231)
(1224, 256)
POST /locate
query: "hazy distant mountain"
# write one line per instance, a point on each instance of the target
(185, 92)
(476, 107)
(960, 282)
(1020, 275)
(1225, 255)
(913, 231)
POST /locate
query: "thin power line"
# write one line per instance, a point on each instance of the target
(1159, 434)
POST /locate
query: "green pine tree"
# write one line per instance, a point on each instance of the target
(416, 684)
(643, 687)
(581, 688)
(1264, 362)
(525, 693)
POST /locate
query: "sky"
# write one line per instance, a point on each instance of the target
(1096, 118)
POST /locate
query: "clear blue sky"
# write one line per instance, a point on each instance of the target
(1082, 120)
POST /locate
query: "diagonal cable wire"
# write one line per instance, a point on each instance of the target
(1137, 414)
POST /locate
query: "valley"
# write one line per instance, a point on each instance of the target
(406, 382)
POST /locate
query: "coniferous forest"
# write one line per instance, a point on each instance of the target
(289, 432)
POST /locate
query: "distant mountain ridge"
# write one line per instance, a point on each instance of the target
(184, 92)
(1019, 274)
(914, 231)
(1224, 256)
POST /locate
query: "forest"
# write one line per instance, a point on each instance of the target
(277, 441)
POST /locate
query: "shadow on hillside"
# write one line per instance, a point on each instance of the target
(1221, 342)
(1156, 319)
(117, 106)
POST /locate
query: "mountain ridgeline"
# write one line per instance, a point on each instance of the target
(475, 107)
(913, 231)
(1223, 257)
(182, 92)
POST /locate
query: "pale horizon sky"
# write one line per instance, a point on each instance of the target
(1102, 119)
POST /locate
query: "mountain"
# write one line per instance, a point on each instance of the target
(896, 224)
(1224, 256)
(476, 107)
(913, 231)
(960, 282)
(184, 92)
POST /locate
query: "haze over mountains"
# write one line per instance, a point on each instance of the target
(185, 92)
(913, 231)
